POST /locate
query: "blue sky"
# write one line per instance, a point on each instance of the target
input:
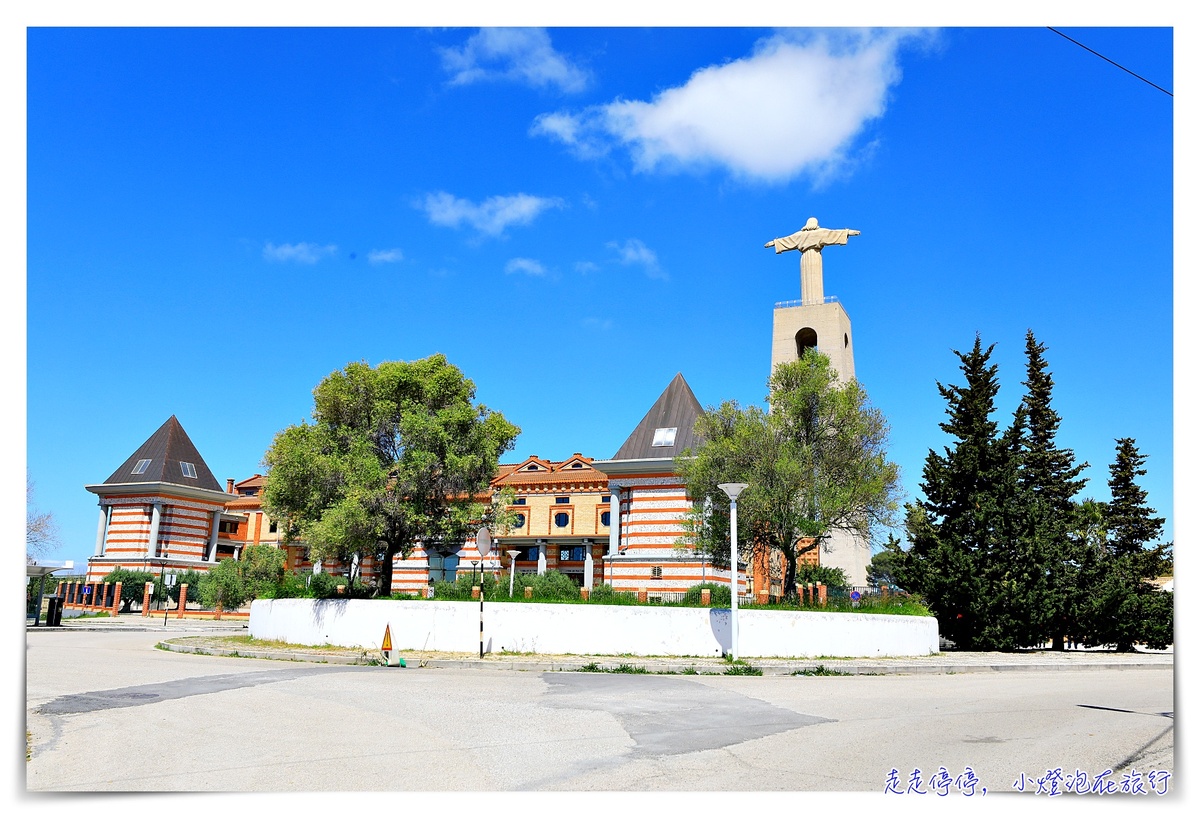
(219, 218)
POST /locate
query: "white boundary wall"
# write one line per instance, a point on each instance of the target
(589, 629)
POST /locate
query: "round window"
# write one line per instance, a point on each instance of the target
(520, 521)
(604, 518)
(561, 519)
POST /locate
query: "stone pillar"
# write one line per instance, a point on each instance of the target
(146, 598)
(116, 603)
(155, 520)
(821, 595)
(588, 568)
(705, 597)
(211, 556)
(102, 530)
(183, 588)
(528, 592)
(541, 546)
(584, 593)
(643, 595)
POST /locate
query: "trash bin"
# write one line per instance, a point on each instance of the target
(54, 611)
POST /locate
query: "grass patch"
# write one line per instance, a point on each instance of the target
(592, 667)
(741, 669)
(820, 670)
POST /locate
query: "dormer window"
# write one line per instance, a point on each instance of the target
(189, 470)
(577, 465)
(664, 437)
(141, 467)
(531, 467)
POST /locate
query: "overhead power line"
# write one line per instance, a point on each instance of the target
(1106, 59)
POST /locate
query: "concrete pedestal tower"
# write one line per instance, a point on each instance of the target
(820, 322)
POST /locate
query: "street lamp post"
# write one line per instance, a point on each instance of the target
(162, 580)
(512, 569)
(733, 490)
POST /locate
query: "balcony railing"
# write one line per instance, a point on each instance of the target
(829, 299)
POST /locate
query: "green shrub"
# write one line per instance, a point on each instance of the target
(554, 585)
(291, 585)
(833, 578)
(192, 578)
(262, 569)
(133, 586)
(324, 586)
(720, 594)
(224, 586)
(606, 595)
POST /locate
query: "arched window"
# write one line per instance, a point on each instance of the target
(806, 339)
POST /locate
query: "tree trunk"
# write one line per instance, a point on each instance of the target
(385, 570)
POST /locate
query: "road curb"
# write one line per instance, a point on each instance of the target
(703, 667)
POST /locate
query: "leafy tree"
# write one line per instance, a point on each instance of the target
(816, 463)
(1126, 608)
(41, 529)
(396, 454)
(885, 564)
(223, 585)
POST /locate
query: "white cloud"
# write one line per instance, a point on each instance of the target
(491, 216)
(303, 253)
(518, 54)
(528, 266)
(794, 105)
(385, 256)
(635, 252)
(586, 267)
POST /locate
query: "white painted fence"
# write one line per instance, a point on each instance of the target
(589, 629)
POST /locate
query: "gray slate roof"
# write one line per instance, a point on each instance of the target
(165, 449)
(676, 407)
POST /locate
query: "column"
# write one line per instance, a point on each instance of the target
(102, 529)
(211, 556)
(155, 519)
(587, 563)
(614, 519)
(541, 544)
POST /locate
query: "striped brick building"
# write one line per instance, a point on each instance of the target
(649, 501)
(161, 510)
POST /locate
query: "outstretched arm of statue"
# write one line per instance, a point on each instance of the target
(852, 232)
(771, 243)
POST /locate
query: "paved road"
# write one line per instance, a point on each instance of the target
(108, 711)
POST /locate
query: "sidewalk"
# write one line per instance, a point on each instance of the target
(228, 638)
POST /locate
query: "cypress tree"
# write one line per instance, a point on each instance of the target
(1049, 480)
(1125, 607)
(960, 532)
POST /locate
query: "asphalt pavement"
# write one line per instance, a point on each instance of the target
(228, 638)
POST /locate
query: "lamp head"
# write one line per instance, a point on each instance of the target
(733, 489)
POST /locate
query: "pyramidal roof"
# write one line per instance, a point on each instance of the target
(668, 428)
(165, 454)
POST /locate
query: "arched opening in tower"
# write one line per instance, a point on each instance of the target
(806, 339)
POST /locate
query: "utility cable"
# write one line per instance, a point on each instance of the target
(1106, 59)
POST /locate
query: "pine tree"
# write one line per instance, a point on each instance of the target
(1049, 480)
(1126, 608)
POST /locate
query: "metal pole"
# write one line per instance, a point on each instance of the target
(733, 579)
(733, 490)
(163, 579)
(481, 613)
